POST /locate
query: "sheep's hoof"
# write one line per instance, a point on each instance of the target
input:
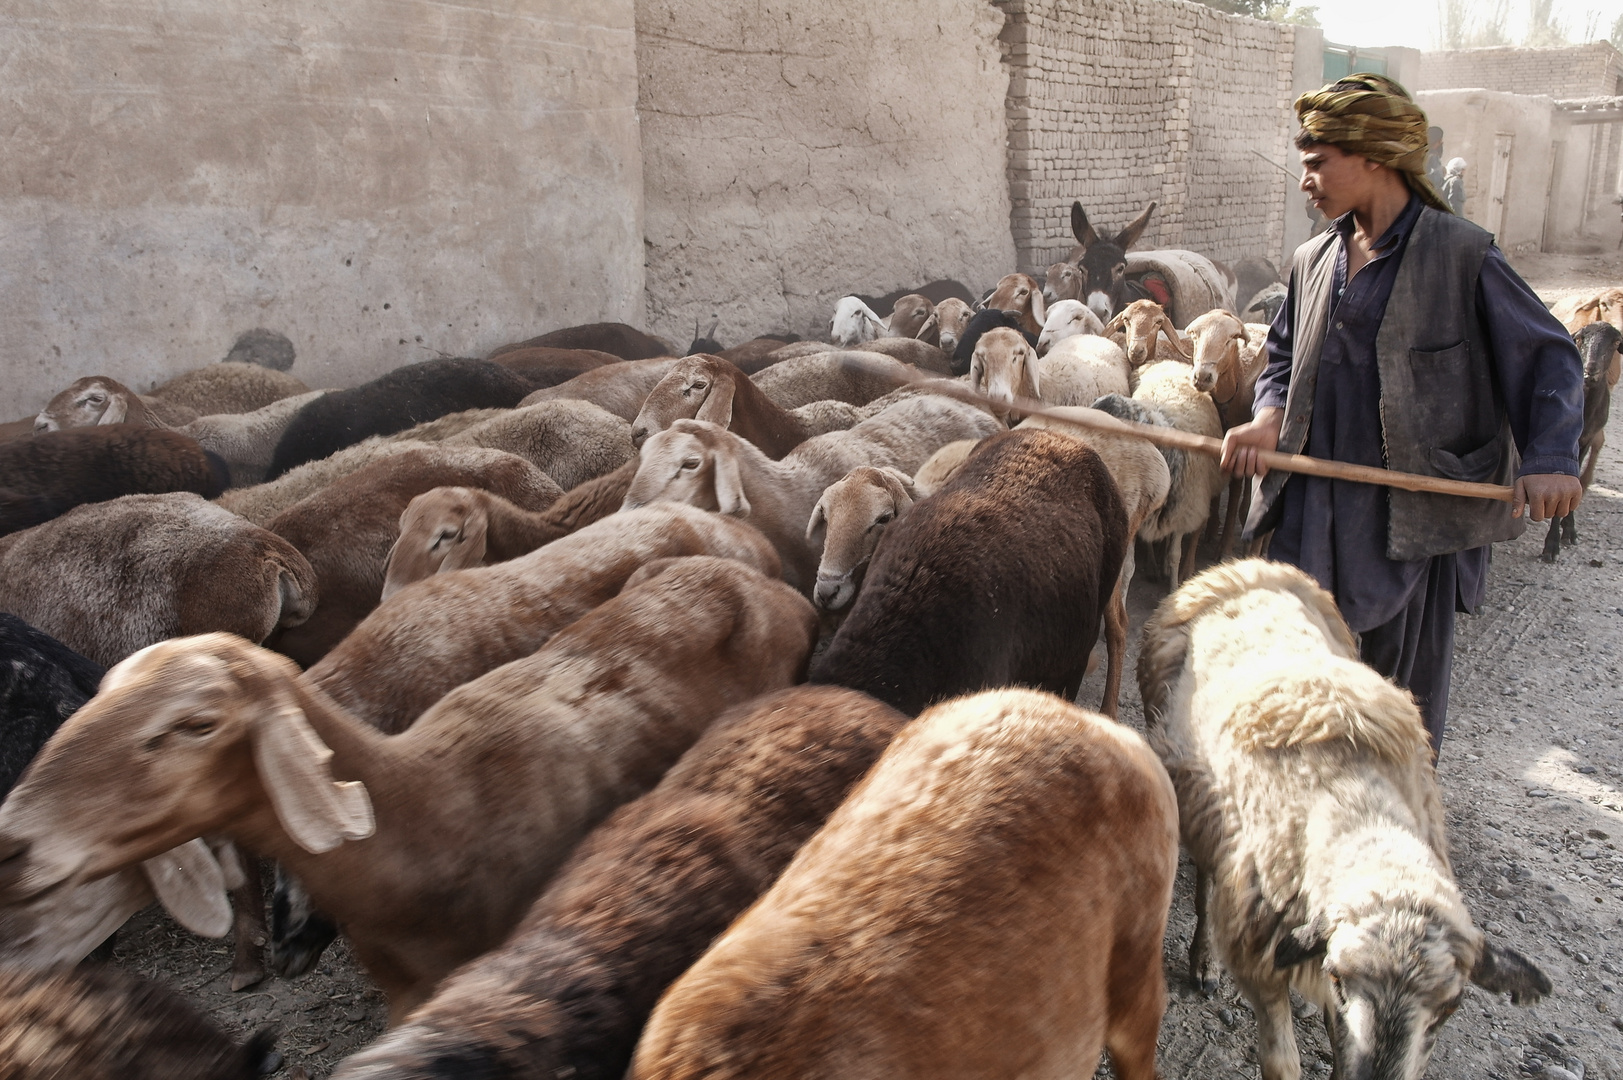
(1203, 977)
(242, 980)
(1548, 556)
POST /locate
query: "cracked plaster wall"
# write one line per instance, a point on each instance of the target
(797, 152)
(381, 180)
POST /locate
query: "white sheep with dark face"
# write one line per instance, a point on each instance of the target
(1309, 804)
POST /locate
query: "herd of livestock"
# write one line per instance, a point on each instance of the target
(666, 717)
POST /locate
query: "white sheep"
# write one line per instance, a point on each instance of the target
(1077, 371)
(1068, 318)
(430, 845)
(1139, 328)
(1165, 386)
(854, 322)
(990, 901)
(1309, 804)
(246, 440)
(709, 467)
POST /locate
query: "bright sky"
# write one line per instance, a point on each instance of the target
(1414, 22)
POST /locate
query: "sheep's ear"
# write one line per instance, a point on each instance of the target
(730, 498)
(931, 322)
(977, 371)
(1039, 308)
(903, 481)
(318, 812)
(1116, 325)
(1135, 229)
(1172, 335)
(471, 551)
(1080, 228)
(718, 402)
(1499, 970)
(118, 407)
(1302, 944)
(191, 885)
(1031, 372)
(818, 522)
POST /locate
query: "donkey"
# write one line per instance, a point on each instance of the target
(1096, 269)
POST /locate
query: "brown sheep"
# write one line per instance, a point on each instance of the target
(347, 529)
(113, 577)
(642, 897)
(998, 579)
(1135, 329)
(545, 366)
(100, 1023)
(51, 473)
(910, 315)
(1020, 295)
(96, 399)
(619, 388)
(428, 846)
(229, 387)
(989, 902)
(756, 354)
(708, 388)
(851, 515)
(625, 342)
(439, 633)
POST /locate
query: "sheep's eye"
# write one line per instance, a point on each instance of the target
(195, 725)
(689, 464)
(885, 518)
(698, 386)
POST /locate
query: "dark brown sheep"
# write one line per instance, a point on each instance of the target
(53, 472)
(626, 342)
(999, 579)
(347, 529)
(755, 354)
(619, 388)
(99, 1023)
(544, 366)
(643, 897)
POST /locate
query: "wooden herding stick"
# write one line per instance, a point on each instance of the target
(1096, 420)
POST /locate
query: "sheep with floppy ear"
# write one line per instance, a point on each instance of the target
(848, 520)
(1309, 804)
(97, 399)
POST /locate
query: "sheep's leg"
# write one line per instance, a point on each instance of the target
(1203, 973)
(1552, 541)
(1115, 646)
(1276, 1032)
(1230, 516)
(300, 934)
(1191, 548)
(248, 927)
(1569, 528)
(1587, 477)
(1135, 1016)
(1212, 520)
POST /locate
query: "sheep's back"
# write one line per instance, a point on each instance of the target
(229, 387)
(570, 441)
(394, 402)
(619, 388)
(998, 579)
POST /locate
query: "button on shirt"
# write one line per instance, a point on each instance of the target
(1537, 369)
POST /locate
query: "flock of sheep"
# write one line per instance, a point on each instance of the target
(704, 715)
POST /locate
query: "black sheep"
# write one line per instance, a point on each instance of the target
(100, 1023)
(42, 683)
(46, 476)
(980, 323)
(998, 579)
(626, 342)
(401, 399)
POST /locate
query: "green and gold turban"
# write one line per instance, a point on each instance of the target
(1373, 117)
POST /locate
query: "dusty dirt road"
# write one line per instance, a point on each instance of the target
(1532, 776)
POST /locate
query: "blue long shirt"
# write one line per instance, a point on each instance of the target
(1336, 530)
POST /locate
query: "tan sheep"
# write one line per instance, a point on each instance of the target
(619, 388)
(847, 522)
(229, 387)
(942, 466)
(1136, 328)
(1020, 295)
(1310, 806)
(952, 317)
(1077, 371)
(989, 901)
(246, 441)
(96, 399)
(853, 377)
(1165, 386)
(1229, 356)
(428, 846)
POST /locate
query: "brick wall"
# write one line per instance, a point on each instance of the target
(1118, 102)
(1571, 71)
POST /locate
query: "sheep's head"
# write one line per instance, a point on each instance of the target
(1064, 281)
(854, 323)
(1068, 318)
(697, 387)
(1216, 338)
(1598, 347)
(440, 530)
(910, 315)
(92, 400)
(1138, 323)
(184, 738)
(1019, 295)
(1396, 972)
(1003, 367)
(690, 462)
(952, 317)
(850, 517)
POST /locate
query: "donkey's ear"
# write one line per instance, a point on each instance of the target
(1080, 228)
(1135, 229)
